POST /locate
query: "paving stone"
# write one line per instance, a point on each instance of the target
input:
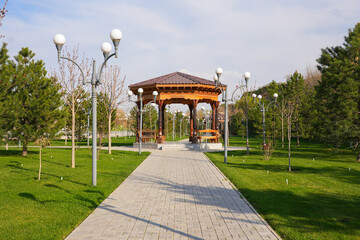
(174, 195)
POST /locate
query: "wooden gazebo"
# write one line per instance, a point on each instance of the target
(180, 88)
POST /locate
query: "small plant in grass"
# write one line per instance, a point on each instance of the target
(267, 150)
(42, 142)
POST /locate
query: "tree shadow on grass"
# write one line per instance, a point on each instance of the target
(339, 173)
(55, 163)
(17, 167)
(84, 201)
(32, 197)
(310, 212)
(12, 152)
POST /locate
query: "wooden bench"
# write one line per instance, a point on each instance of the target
(214, 137)
(148, 135)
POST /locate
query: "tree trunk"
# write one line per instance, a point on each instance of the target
(298, 140)
(109, 125)
(100, 145)
(24, 151)
(40, 161)
(73, 136)
(358, 157)
(282, 129)
(7, 146)
(289, 140)
(297, 135)
(65, 136)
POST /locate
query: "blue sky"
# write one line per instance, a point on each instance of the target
(270, 39)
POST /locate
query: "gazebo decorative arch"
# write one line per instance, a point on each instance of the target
(180, 88)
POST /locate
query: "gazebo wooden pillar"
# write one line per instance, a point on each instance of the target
(215, 115)
(191, 108)
(161, 117)
(179, 88)
(137, 122)
(194, 120)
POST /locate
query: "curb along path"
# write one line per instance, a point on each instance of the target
(174, 195)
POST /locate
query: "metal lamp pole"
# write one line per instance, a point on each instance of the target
(182, 118)
(246, 77)
(223, 90)
(263, 109)
(115, 36)
(140, 91)
(173, 118)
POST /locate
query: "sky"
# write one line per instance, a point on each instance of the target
(268, 38)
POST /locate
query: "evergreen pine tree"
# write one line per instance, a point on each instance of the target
(35, 109)
(5, 89)
(338, 94)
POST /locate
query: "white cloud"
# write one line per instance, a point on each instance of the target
(267, 38)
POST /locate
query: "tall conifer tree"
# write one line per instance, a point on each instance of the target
(35, 109)
(338, 94)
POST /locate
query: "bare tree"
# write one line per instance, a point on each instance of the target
(312, 76)
(282, 108)
(113, 87)
(69, 77)
(3, 12)
(289, 110)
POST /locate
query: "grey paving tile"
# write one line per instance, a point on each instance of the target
(174, 195)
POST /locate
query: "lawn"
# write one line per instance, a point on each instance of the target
(321, 199)
(53, 207)
(115, 141)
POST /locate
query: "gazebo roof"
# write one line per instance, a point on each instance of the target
(174, 78)
(178, 87)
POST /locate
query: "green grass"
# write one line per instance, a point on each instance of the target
(321, 200)
(52, 208)
(115, 141)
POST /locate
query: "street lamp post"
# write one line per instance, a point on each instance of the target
(246, 77)
(206, 116)
(263, 109)
(218, 85)
(151, 103)
(115, 36)
(217, 75)
(182, 118)
(140, 91)
(173, 118)
(127, 125)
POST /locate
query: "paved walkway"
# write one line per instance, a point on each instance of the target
(174, 195)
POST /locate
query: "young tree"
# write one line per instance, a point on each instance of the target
(113, 87)
(338, 94)
(102, 119)
(295, 91)
(70, 79)
(42, 142)
(149, 116)
(292, 95)
(35, 109)
(289, 110)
